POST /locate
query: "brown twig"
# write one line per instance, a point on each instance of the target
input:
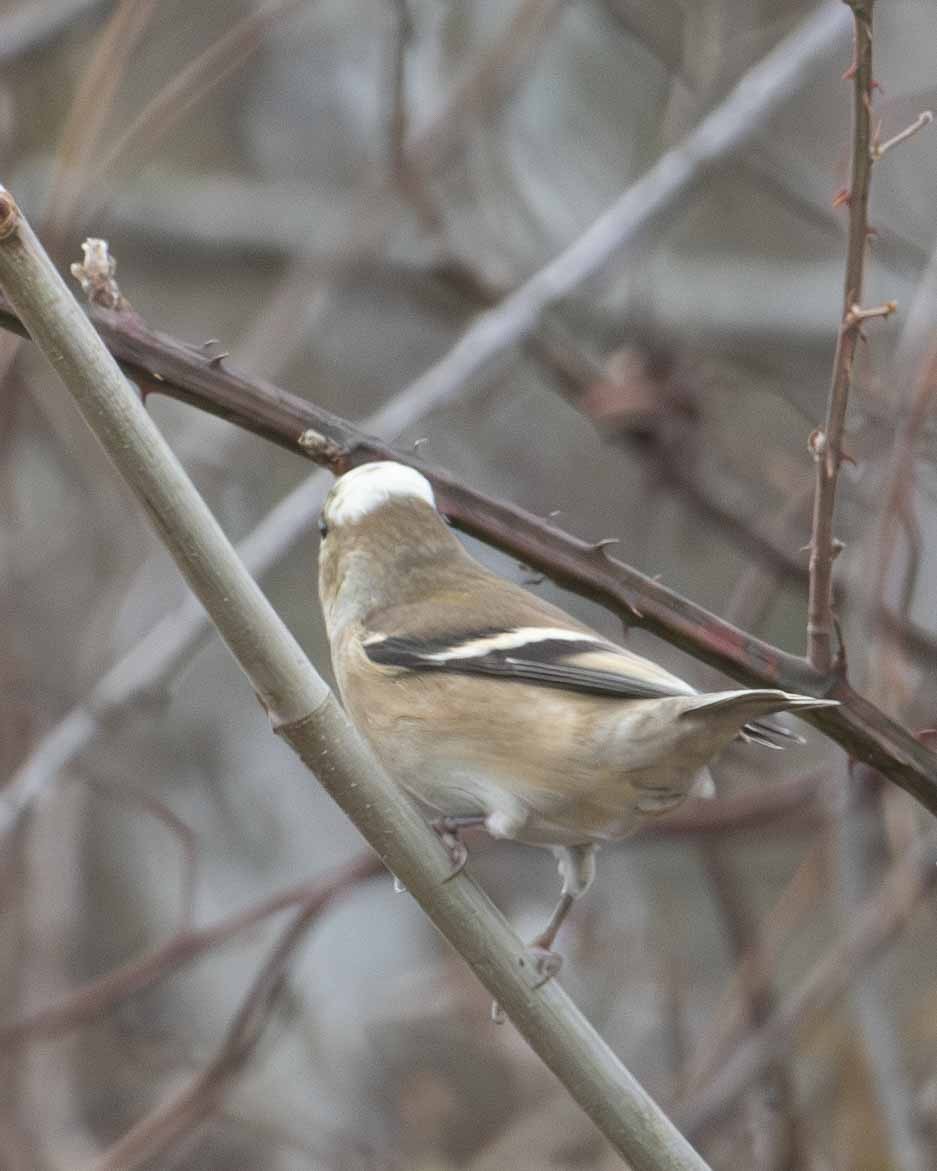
(91, 1000)
(827, 445)
(161, 364)
(873, 928)
(89, 112)
(190, 84)
(182, 1114)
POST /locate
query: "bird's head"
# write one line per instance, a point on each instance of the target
(380, 532)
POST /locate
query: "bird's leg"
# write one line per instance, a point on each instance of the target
(448, 830)
(577, 866)
(549, 962)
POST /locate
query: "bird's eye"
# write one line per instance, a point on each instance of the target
(323, 528)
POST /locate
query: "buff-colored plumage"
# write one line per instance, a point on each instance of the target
(486, 702)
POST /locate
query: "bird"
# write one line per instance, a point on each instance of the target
(491, 706)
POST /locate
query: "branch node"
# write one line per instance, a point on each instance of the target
(95, 275)
(321, 449)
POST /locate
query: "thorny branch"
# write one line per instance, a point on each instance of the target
(827, 445)
(162, 364)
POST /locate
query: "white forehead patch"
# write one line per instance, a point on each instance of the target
(367, 487)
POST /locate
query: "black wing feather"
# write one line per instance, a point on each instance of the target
(534, 663)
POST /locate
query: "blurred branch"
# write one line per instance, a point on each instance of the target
(827, 445)
(89, 112)
(770, 1105)
(589, 383)
(874, 927)
(305, 713)
(190, 84)
(855, 840)
(485, 85)
(33, 23)
(91, 1000)
(732, 123)
(158, 1131)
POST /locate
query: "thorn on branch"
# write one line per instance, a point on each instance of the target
(605, 543)
(857, 314)
(842, 198)
(879, 149)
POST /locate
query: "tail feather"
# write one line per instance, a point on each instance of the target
(747, 704)
(767, 734)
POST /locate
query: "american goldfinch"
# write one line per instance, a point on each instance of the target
(495, 708)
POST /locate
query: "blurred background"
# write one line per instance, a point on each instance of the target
(333, 190)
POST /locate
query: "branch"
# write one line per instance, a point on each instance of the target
(89, 1001)
(159, 363)
(305, 713)
(726, 128)
(30, 27)
(874, 925)
(827, 445)
(159, 1130)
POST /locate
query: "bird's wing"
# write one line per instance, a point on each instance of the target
(553, 656)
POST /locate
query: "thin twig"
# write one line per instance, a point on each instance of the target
(31, 26)
(731, 124)
(827, 446)
(874, 926)
(96, 997)
(191, 83)
(854, 840)
(89, 112)
(181, 1115)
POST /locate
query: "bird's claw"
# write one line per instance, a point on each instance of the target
(454, 845)
(547, 963)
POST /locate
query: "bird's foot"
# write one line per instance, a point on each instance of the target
(448, 829)
(547, 963)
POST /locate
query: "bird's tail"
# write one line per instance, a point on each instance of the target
(745, 706)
